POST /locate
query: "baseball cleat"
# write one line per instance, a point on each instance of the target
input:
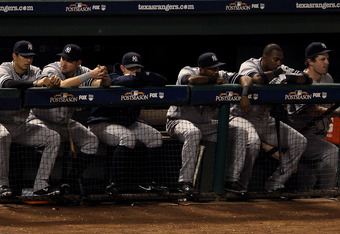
(187, 189)
(154, 188)
(234, 187)
(112, 189)
(48, 191)
(5, 191)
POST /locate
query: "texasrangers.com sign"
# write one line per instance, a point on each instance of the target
(166, 7)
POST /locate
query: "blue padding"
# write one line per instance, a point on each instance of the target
(265, 94)
(115, 95)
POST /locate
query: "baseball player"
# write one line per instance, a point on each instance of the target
(59, 119)
(20, 73)
(318, 165)
(120, 127)
(264, 70)
(191, 124)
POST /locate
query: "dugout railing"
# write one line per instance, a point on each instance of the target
(155, 101)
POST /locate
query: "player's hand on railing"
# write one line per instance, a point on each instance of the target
(55, 81)
(100, 72)
(220, 81)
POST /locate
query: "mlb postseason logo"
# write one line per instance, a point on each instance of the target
(135, 95)
(81, 7)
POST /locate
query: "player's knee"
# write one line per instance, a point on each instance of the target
(193, 135)
(128, 140)
(5, 137)
(52, 138)
(155, 141)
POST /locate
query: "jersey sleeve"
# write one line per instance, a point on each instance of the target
(39, 74)
(52, 69)
(184, 75)
(231, 77)
(4, 75)
(248, 68)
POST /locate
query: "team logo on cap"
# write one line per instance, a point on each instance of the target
(30, 46)
(323, 46)
(68, 50)
(214, 58)
(134, 59)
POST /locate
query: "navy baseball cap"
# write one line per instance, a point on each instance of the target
(316, 48)
(24, 48)
(72, 52)
(209, 60)
(132, 59)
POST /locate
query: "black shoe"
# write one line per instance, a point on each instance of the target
(112, 189)
(276, 190)
(154, 188)
(234, 187)
(81, 187)
(65, 188)
(187, 189)
(5, 191)
(48, 191)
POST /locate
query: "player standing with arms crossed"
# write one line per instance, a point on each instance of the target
(21, 74)
(59, 119)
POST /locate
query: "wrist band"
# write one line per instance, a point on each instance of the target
(84, 77)
(277, 72)
(307, 78)
(265, 77)
(245, 91)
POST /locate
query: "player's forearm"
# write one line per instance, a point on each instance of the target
(18, 84)
(196, 80)
(70, 82)
(75, 81)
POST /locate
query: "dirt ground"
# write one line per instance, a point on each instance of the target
(257, 216)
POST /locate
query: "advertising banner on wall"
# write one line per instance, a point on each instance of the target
(166, 7)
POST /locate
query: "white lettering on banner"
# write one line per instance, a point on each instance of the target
(321, 5)
(82, 97)
(134, 95)
(134, 98)
(228, 98)
(153, 95)
(80, 7)
(298, 95)
(167, 7)
(8, 8)
(63, 97)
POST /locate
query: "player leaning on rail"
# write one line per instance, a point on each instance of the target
(318, 165)
(269, 70)
(191, 124)
(21, 74)
(72, 74)
(120, 127)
